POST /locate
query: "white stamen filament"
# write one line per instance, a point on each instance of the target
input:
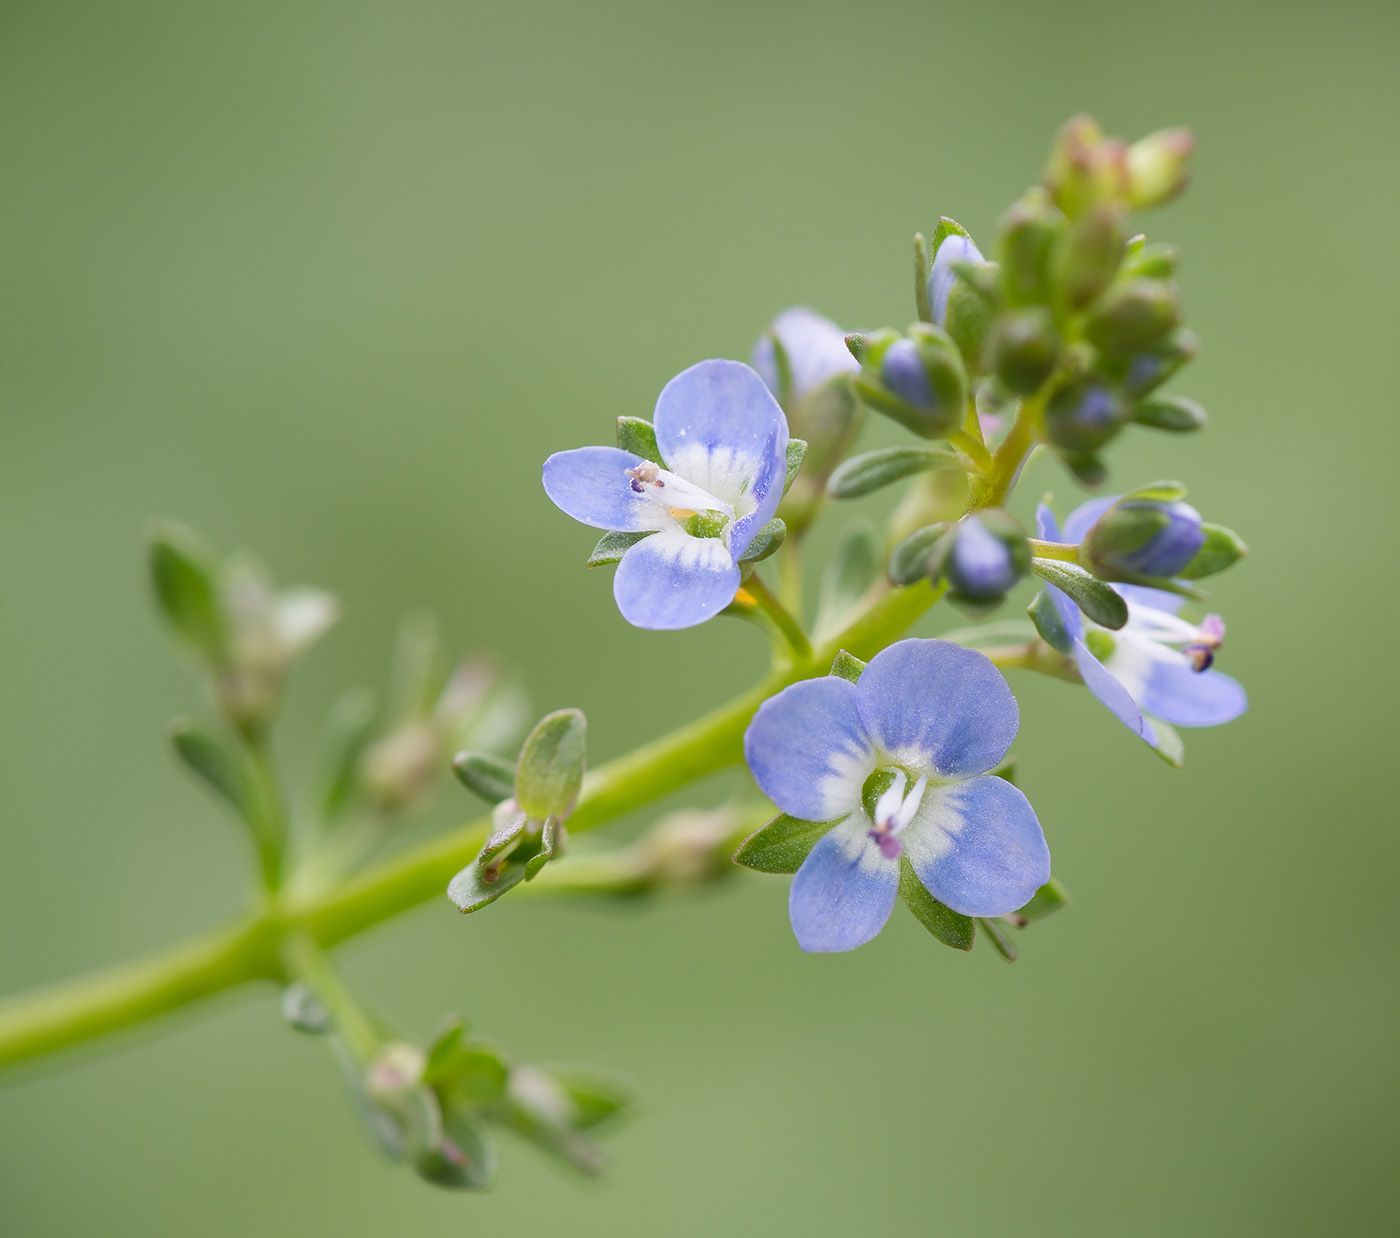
(677, 496)
(894, 810)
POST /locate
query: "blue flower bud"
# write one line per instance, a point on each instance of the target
(902, 371)
(1139, 537)
(982, 558)
(1082, 417)
(942, 277)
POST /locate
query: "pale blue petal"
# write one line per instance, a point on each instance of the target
(815, 347)
(591, 485)
(1110, 692)
(718, 426)
(1086, 515)
(1185, 697)
(978, 847)
(808, 751)
(933, 704)
(942, 277)
(1154, 599)
(766, 489)
(672, 580)
(844, 891)
(1048, 530)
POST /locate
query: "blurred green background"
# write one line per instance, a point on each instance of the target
(329, 280)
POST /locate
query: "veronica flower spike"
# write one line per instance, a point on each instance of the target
(1158, 665)
(897, 763)
(722, 442)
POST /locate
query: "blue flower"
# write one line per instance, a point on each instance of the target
(815, 348)
(723, 440)
(1157, 666)
(897, 764)
(942, 277)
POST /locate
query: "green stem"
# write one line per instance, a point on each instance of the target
(1066, 552)
(305, 960)
(992, 489)
(35, 1024)
(790, 574)
(267, 812)
(799, 648)
(1036, 656)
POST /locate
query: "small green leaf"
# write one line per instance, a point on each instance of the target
(213, 760)
(1046, 617)
(185, 578)
(1169, 746)
(1157, 491)
(1097, 599)
(910, 560)
(952, 928)
(1000, 939)
(508, 831)
(639, 437)
(846, 666)
(549, 773)
(612, 546)
(852, 570)
(796, 453)
(870, 471)
(472, 888)
(490, 776)
(444, 1052)
(946, 228)
(765, 542)
(781, 845)
(1046, 900)
(1222, 548)
(922, 264)
(1006, 771)
(464, 1158)
(1170, 412)
(551, 843)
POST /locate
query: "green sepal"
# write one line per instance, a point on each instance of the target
(923, 263)
(1169, 746)
(1132, 316)
(348, 732)
(946, 228)
(910, 560)
(442, 1052)
(638, 436)
(471, 891)
(983, 279)
(1000, 939)
(185, 577)
(1046, 617)
(1006, 771)
(1221, 549)
(212, 759)
(597, 1095)
(612, 546)
(1157, 492)
(549, 774)
(509, 830)
(853, 568)
(551, 844)
(796, 453)
(1100, 601)
(951, 927)
(490, 776)
(464, 1159)
(1045, 901)
(465, 1071)
(1156, 261)
(846, 666)
(1173, 413)
(765, 542)
(871, 470)
(968, 318)
(781, 845)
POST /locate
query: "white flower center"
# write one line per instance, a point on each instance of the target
(894, 810)
(678, 498)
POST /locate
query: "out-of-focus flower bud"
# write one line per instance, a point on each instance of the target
(958, 305)
(1133, 316)
(1029, 231)
(1083, 416)
(982, 557)
(1089, 254)
(1024, 348)
(1086, 168)
(798, 353)
(1141, 536)
(1143, 372)
(1173, 413)
(918, 379)
(943, 276)
(1157, 169)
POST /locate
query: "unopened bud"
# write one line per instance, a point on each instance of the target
(1157, 169)
(1132, 316)
(982, 557)
(1029, 231)
(1082, 417)
(1086, 168)
(1140, 537)
(918, 379)
(1089, 255)
(942, 277)
(1024, 348)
